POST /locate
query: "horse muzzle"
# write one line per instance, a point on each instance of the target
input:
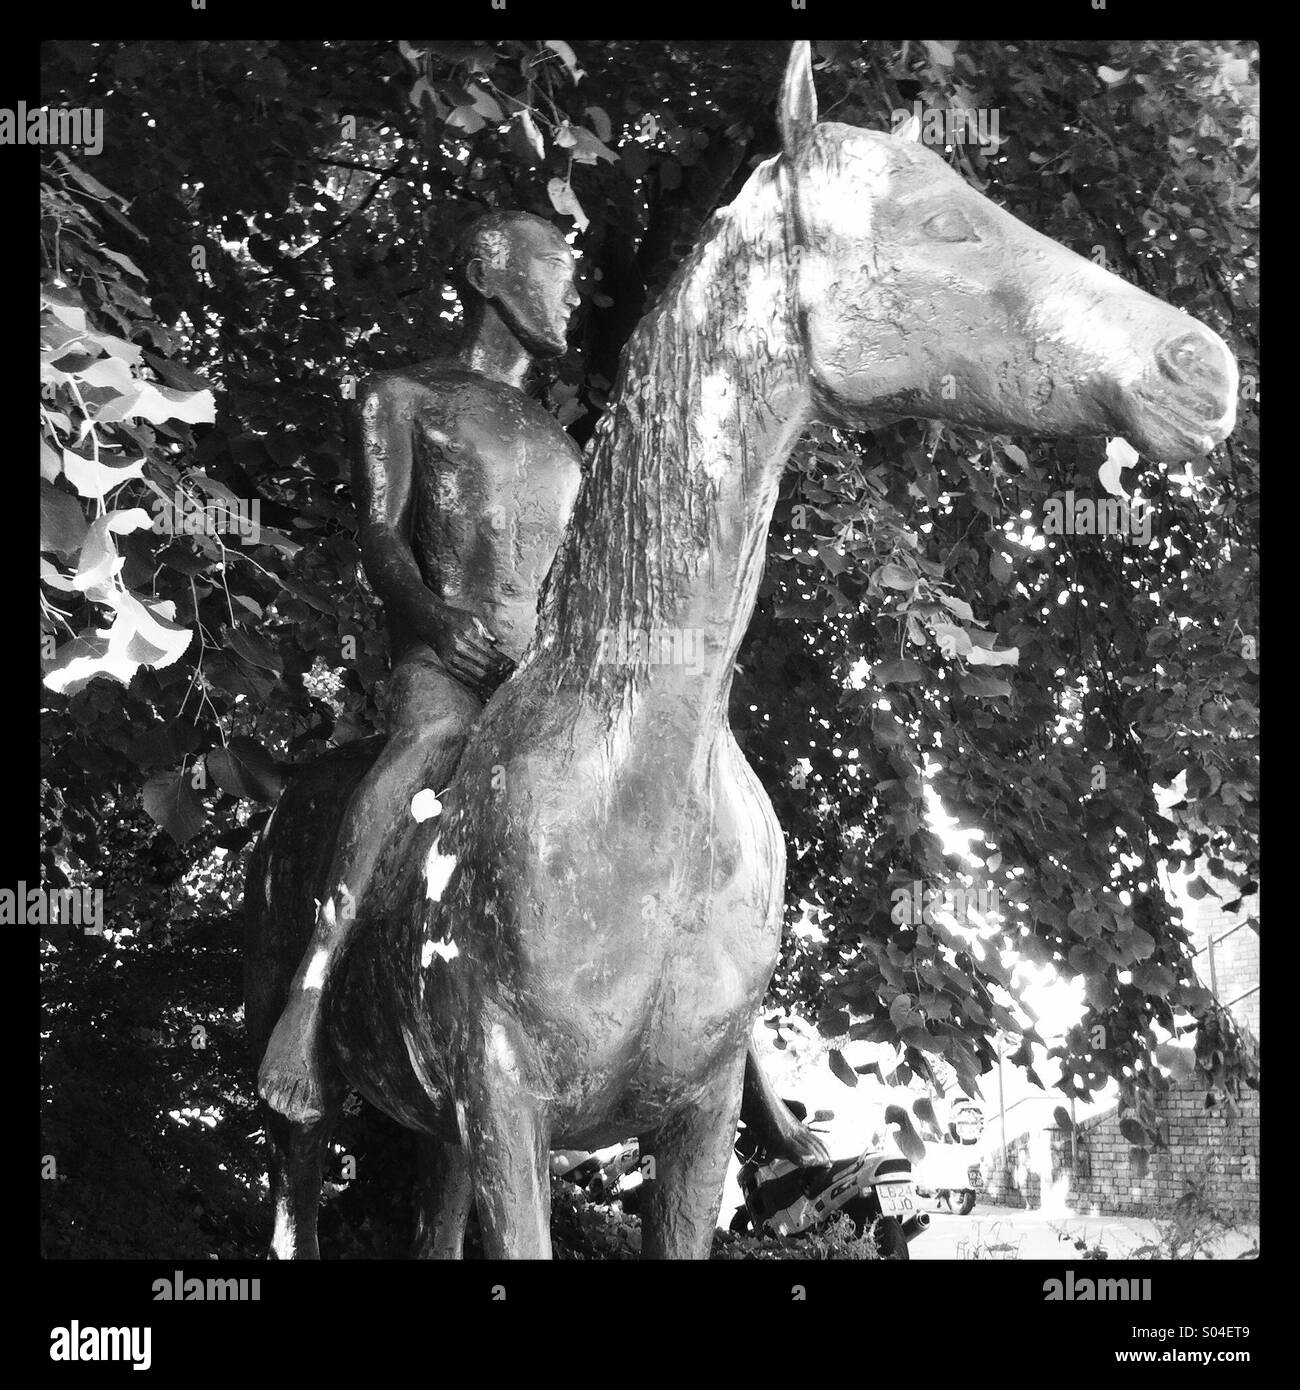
(1186, 402)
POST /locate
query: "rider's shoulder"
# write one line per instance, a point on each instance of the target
(438, 381)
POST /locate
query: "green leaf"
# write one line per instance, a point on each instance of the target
(843, 1072)
(984, 656)
(486, 104)
(902, 671)
(109, 372)
(244, 768)
(173, 804)
(124, 261)
(959, 608)
(1133, 1130)
(953, 641)
(565, 201)
(1193, 998)
(95, 478)
(896, 577)
(985, 687)
(164, 745)
(1154, 979)
(530, 133)
(567, 57)
(466, 118)
(587, 149)
(160, 403)
(63, 523)
(831, 557)
(90, 184)
(833, 1023)
(255, 650)
(600, 122)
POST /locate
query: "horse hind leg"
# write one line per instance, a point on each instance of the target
(445, 1198)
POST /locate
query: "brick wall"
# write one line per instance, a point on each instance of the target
(1017, 1176)
(1036, 1168)
(1235, 972)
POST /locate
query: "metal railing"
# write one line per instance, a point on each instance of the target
(1208, 949)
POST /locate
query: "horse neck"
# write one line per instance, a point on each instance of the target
(654, 584)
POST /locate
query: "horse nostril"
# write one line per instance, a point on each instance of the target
(1195, 361)
(1177, 355)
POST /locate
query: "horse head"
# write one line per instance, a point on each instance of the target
(919, 297)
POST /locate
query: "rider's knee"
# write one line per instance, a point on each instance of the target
(447, 718)
(430, 703)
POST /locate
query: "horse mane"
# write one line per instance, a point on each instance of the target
(645, 511)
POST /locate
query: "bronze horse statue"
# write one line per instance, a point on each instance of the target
(576, 948)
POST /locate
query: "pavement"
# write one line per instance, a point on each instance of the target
(1010, 1233)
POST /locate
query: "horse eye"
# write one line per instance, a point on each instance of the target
(949, 225)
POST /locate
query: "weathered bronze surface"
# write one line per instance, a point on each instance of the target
(576, 947)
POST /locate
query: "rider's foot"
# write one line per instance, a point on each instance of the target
(289, 1079)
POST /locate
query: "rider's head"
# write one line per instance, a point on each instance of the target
(522, 266)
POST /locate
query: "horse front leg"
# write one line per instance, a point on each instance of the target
(506, 1138)
(446, 1195)
(691, 1153)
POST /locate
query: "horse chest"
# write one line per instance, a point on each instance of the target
(639, 927)
(670, 932)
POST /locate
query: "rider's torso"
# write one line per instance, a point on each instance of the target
(495, 478)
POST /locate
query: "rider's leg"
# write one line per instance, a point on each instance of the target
(297, 1153)
(430, 718)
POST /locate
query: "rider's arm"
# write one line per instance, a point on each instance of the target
(382, 481)
(384, 484)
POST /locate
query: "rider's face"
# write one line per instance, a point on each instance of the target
(536, 293)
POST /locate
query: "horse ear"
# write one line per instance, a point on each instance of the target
(798, 110)
(909, 130)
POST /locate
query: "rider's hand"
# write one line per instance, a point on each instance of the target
(468, 649)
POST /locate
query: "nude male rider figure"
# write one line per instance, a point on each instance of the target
(464, 487)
